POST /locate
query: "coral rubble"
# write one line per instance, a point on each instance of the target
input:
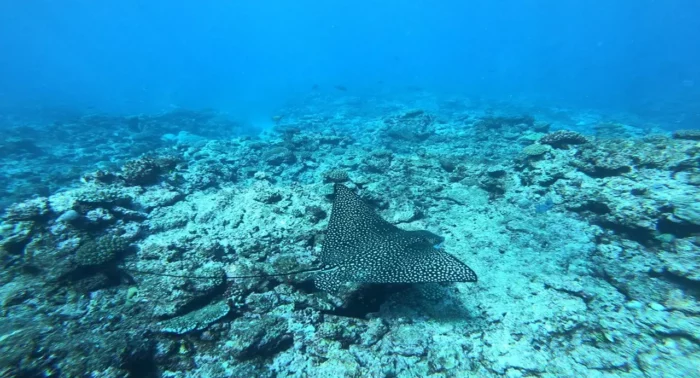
(587, 248)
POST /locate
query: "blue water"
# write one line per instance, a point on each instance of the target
(256, 188)
(252, 57)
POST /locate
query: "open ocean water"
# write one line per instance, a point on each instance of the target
(349, 188)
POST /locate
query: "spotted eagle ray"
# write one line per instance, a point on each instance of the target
(361, 247)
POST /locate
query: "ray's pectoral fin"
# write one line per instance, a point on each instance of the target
(330, 280)
(421, 263)
(431, 265)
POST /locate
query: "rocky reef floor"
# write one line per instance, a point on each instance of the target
(585, 239)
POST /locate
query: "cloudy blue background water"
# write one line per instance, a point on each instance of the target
(252, 56)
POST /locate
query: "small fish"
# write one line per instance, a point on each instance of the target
(340, 88)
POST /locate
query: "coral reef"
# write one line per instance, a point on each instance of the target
(412, 126)
(687, 134)
(336, 175)
(64, 149)
(196, 320)
(99, 252)
(586, 247)
(146, 170)
(535, 150)
(563, 138)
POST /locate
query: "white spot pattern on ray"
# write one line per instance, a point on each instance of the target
(360, 246)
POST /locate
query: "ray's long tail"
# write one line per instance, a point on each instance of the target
(310, 270)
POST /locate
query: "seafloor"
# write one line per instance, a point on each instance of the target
(584, 234)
